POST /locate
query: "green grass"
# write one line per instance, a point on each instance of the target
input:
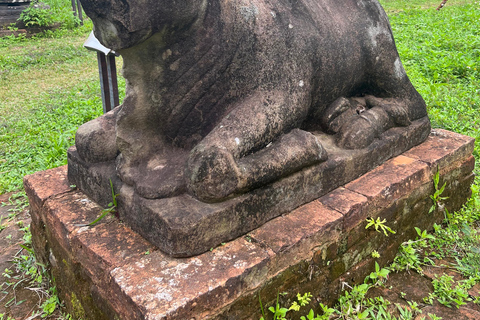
(51, 87)
(441, 52)
(50, 83)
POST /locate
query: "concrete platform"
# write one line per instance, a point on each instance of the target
(110, 272)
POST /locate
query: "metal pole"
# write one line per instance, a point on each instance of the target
(80, 14)
(104, 85)
(74, 8)
(112, 80)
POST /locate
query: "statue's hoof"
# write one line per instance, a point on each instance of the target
(212, 174)
(357, 135)
(363, 128)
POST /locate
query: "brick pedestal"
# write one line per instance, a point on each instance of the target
(110, 272)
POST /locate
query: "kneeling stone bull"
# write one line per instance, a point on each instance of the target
(224, 97)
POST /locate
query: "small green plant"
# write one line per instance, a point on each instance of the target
(29, 271)
(352, 304)
(437, 195)
(279, 312)
(50, 304)
(12, 27)
(302, 301)
(37, 14)
(111, 208)
(409, 253)
(327, 313)
(379, 226)
(379, 276)
(449, 293)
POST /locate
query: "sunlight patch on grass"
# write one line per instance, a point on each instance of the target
(24, 91)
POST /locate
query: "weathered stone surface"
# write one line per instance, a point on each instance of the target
(95, 140)
(300, 225)
(384, 184)
(110, 272)
(227, 101)
(93, 178)
(437, 153)
(182, 225)
(45, 184)
(352, 205)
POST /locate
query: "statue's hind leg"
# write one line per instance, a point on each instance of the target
(389, 100)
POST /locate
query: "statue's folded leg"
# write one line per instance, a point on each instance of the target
(358, 121)
(252, 146)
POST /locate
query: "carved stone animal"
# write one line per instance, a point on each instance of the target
(223, 96)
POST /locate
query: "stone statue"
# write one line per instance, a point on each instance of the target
(224, 98)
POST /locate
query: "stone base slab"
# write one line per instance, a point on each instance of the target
(110, 272)
(181, 226)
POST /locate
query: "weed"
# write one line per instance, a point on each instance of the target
(379, 226)
(37, 14)
(378, 276)
(437, 195)
(352, 304)
(111, 208)
(447, 292)
(409, 253)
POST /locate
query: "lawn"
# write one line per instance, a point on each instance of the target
(49, 86)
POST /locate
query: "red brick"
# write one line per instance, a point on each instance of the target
(390, 181)
(443, 149)
(304, 222)
(44, 184)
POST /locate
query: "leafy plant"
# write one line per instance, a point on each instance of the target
(447, 293)
(111, 208)
(437, 195)
(279, 312)
(352, 304)
(37, 14)
(50, 305)
(378, 276)
(379, 226)
(409, 253)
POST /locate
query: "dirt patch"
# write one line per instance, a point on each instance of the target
(410, 286)
(20, 297)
